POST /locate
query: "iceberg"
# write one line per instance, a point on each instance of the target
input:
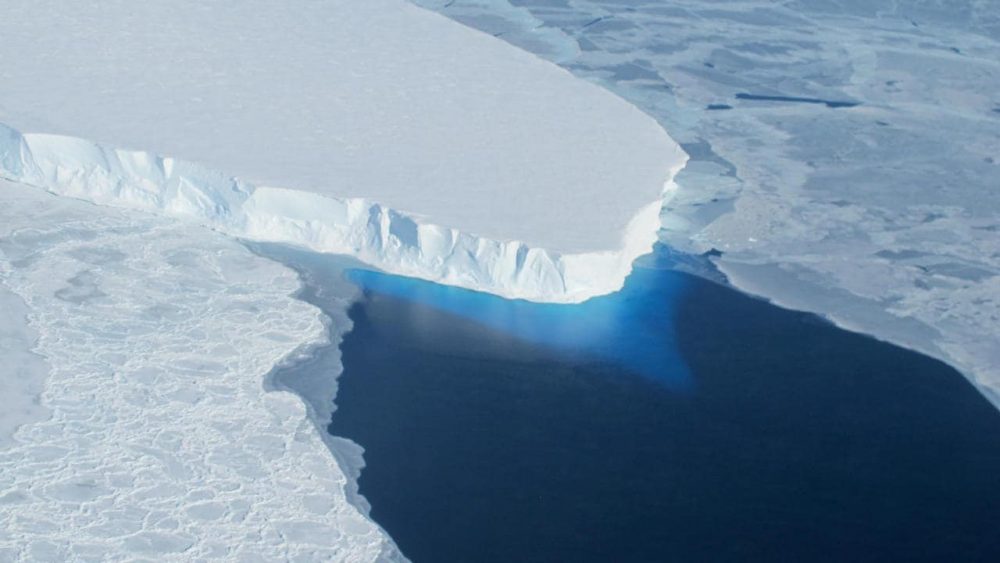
(381, 130)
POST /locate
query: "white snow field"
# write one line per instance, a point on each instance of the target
(161, 441)
(372, 128)
(884, 216)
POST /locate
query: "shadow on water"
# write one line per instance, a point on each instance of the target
(491, 434)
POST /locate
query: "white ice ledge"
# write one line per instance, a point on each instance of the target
(384, 238)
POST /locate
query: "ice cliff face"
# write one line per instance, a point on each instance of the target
(384, 238)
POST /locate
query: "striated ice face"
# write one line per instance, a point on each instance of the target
(845, 156)
(383, 237)
(161, 440)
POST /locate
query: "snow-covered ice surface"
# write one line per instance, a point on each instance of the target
(161, 441)
(491, 168)
(845, 155)
(24, 372)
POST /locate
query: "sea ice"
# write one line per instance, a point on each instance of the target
(24, 372)
(162, 440)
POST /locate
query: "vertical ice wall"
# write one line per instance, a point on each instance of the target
(397, 242)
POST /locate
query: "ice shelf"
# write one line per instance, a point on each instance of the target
(377, 128)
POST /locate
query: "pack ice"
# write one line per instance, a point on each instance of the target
(376, 129)
(159, 440)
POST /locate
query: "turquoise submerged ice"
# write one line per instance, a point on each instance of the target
(608, 329)
(845, 155)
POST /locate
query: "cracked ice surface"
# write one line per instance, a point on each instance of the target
(845, 156)
(163, 443)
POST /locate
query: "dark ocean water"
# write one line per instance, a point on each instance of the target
(678, 420)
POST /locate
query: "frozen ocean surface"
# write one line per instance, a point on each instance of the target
(845, 156)
(24, 372)
(160, 439)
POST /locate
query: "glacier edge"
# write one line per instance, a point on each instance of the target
(388, 239)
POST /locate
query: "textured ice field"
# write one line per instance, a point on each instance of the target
(162, 443)
(24, 372)
(375, 128)
(845, 155)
